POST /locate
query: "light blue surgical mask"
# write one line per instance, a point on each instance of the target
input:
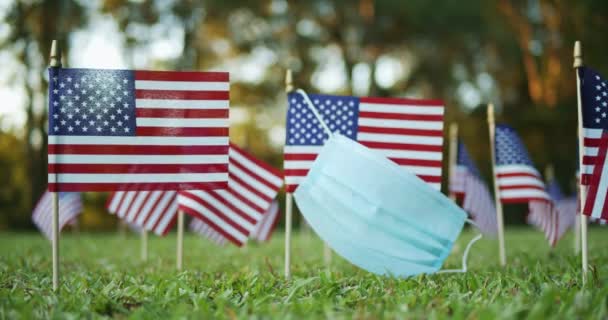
(374, 213)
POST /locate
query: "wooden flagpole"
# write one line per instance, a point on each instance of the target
(578, 62)
(498, 204)
(289, 197)
(452, 157)
(55, 63)
(180, 240)
(144, 244)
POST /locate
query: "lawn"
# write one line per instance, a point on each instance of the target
(102, 276)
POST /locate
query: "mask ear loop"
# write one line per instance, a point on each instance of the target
(465, 255)
(314, 110)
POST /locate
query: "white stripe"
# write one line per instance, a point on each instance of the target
(187, 202)
(137, 203)
(136, 159)
(115, 201)
(159, 210)
(520, 181)
(125, 203)
(590, 151)
(523, 193)
(136, 178)
(399, 138)
(239, 189)
(251, 181)
(294, 164)
(258, 170)
(592, 133)
(423, 171)
(401, 108)
(516, 168)
(182, 85)
(600, 195)
(294, 180)
(407, 154)
(183, 122)
(410, 124)
(248, 210)
(210, 200)
(166, 218)
(140, 141)
(145, 210)
(181, 104)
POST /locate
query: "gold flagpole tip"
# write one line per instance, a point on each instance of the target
(288, 81)
(578, 54)
(55, 57)
(453, 129)
(491, 112)
(549, 173)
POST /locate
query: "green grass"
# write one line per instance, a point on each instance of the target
(102, 276)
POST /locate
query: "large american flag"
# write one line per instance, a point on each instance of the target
(407, 131)
(151, 210)
(70, 206)
(520, 182)
(594, 98)
(234, 212)
(137, 130)
(466, 183)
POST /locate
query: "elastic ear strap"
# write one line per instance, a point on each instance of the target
(315, 111)
(465, 255)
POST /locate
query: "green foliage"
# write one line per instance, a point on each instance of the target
(103, 278)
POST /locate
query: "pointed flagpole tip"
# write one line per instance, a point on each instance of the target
(578, 54)
(55, 56)
(454, 130)
(549, 173)
(490, 113)
(288, 81)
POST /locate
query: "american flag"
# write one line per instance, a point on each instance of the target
(70, 206)
(466, 184)
(234, 212)
(519, 182)
(262, 232)
(137, 130)
(567, 207)
(152, 210)
(407, 131)
(204, 230)
(594, 98)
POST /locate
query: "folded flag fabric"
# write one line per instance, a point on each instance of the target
(125, 130)
(204, 230)
(263, 230)
(154, 211)
(70, 206)
(466, 183)
(520, 182)
(407, 131)
(567, 207)
(234, 212)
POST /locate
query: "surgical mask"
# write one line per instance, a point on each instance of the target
(374, 213)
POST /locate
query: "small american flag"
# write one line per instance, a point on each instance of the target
(594, 98)
(567, 207)
(151, 210)
(407, 131)
(234, 212)
(199, 227)
(467, 185)
(137, 130)
(519, 182)
(70, 206)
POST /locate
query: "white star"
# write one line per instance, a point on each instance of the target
(70, 103)
(62, 97)
(127, 129)
(84, 104)
(105, 110)
(604, 103)
(113, 129)
(119, 123)
(112, 104)
(98, 117)
(126, 117)
(55, 79)
(119, 111)
(125, 105)
(597, 109)
(55, 103)
(84, 79)
(118, 98)
(62, 85)
(104, 98)
(91, 123)
(126, 93)
(70, 116)
(91, 110)
(84, 128)
(76, 86)
(62, 110)
(84, 116)
(597, 120)
(77, 110)
(124, 81)
(63, 122)
(77, 98)
(77, 122)
(70, 128)
(55, 116)
(112, 117)
(56, 128)
(106, 123)
(69, 79)
(604, 115)
(55, 91)
(98, 129)
(598, 98)
(98, 104)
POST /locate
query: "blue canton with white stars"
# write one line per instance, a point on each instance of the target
(509, 148)
(463, 159)
(554, 191)
(91, 102)
(594, 97)
(340, 113)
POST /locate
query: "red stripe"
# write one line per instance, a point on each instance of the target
(403, 101)
(211, 209)
(402, 146)
(215, 227)
(182, 76)
(152, 209)
(291, 188)
(234, 178)
(430, 179)
(165, 211)
(136, 168)
(169, 226)
(300, 156)
(102, 187)
(248, 203)
(182, 113)
(517, 175)
(275, 222)
(108, 201)
(181, 95)
(522, 186)
(136, 149)
(591, 142)
(411, 132)
(296, 172)
(257, 161)
(596, 177)
(219, 198)
(399, 116)
(520, 200)
(181, 132)
(589, 160)
(130, 206)
(417, 162)
(142, 205)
